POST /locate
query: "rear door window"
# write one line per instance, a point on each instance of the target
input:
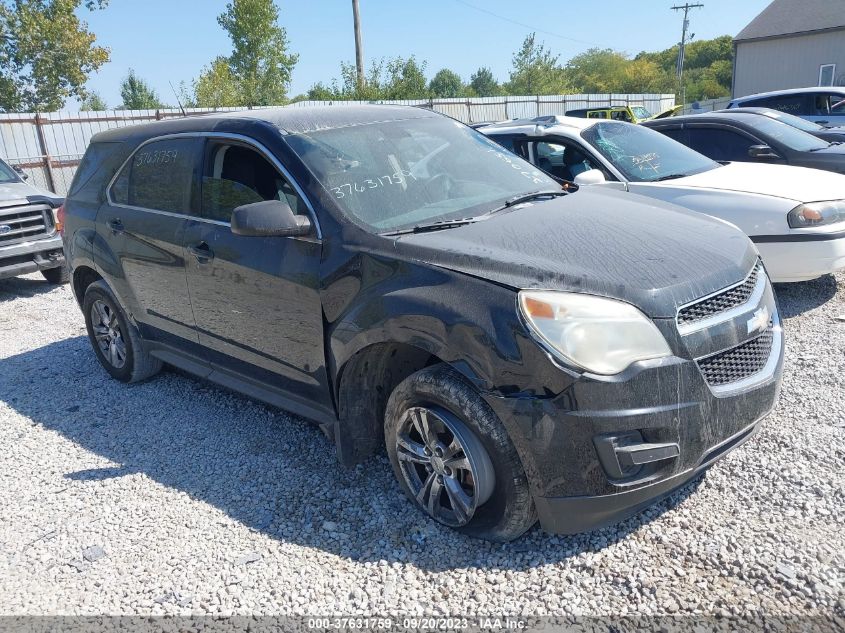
(793, 104)
(720, 143)
(160, 175)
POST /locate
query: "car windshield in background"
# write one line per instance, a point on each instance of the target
(395, 175)
(640, 112)
(786, 134)
(643, 155)
(7, 174)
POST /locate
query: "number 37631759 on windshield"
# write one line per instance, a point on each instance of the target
(350, 188)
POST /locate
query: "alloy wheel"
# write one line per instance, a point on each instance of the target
(107, 333)
(444, 464)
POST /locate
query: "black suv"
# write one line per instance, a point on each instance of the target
(739, 135)
(402, 280)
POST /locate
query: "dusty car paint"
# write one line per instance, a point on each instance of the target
(371, 309)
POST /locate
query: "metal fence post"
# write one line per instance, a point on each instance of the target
(45, 155)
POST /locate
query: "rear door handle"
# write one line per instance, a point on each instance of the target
(116, 225)
(202, 252)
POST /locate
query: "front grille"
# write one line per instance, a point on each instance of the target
(738, 363)
(24, 223)
(721, 302)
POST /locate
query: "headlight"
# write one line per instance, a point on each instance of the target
(600, 335)
(816, 214)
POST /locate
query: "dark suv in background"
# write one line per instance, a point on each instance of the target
(403, 281)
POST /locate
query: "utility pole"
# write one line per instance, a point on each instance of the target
(359, 48)
(680, 68)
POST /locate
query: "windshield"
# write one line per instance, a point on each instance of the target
(7, 174)
(392, 175)
(644, 155)
(795, 121)
(640, 112)
(785, 134)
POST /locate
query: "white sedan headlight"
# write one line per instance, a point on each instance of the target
(817, 214)
(600, 335)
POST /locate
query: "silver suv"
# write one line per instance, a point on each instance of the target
(29, 230)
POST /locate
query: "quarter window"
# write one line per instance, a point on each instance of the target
(235, 175)
(159, 176)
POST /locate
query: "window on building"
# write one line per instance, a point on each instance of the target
(826, 74)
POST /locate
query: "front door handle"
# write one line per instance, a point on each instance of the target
(116, 225)
(202, 252)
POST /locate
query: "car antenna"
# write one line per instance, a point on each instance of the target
(176, 94)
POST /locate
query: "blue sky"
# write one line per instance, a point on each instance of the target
(171, 40)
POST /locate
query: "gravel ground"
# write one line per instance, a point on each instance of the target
(174, 496)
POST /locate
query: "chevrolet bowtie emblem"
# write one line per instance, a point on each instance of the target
(759, 320)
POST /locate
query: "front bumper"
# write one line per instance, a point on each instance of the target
(791, 261)
(607, 446)
(30, 257)
(571, 515)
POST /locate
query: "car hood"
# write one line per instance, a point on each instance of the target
(614, 244)
(13, 191)
(782, 181)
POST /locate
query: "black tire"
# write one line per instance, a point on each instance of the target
(509, 510)
(137, 364)
(59, 275)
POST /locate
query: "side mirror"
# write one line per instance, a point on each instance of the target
(270, 218)
(590, 177)
(21, 172)
(762, 152)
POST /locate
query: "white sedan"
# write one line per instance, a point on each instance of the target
(794, 215)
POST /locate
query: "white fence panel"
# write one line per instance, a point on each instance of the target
(49, 146)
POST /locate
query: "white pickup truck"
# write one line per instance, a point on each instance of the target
(29, 235)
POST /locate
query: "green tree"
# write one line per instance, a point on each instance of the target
(483, 83)
(405, 79)
(137, 94)
(217, 87)
(46, 53)
(93, 102)
(536, 71)
(446, 83)
(260, 59)
(597, 70)
(708, 67)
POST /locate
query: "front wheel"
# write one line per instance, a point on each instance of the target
(454, 458)
(58, 275)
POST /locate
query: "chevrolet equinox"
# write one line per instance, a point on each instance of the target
(403, 281)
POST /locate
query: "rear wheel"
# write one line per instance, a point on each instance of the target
(59, 275)
(454, 458)
(115, 340)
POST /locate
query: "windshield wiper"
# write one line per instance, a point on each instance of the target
(434, 226)
(670, 177)
(528, 197)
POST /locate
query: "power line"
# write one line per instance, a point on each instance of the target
(526, 26)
